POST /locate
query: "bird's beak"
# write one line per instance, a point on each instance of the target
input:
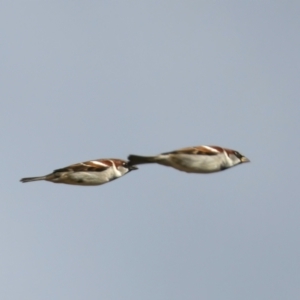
(132, 168)
(245, 159)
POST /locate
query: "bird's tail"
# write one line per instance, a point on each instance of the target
(28, 179)
(138, 160)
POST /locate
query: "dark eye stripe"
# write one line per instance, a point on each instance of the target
(238, 155)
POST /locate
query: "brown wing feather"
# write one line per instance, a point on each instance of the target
(97, 165)
(197, 150)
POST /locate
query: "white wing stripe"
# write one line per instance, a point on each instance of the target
(210, 148)
(98, 163)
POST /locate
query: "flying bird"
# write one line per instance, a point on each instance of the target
(93, 172)
(199, 159)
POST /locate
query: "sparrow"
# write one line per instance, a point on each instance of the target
(199, 159)
(93, 172)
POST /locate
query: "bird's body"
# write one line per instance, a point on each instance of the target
(94, 172)
(199, 159)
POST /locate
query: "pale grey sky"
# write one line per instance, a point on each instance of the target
(97, 79)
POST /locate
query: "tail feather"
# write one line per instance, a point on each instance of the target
(28, 179)
(138, 160)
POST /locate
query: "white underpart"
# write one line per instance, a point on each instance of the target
(228, 160)
(116, 171)
(210, 148)
(98, 163)
(225, 153)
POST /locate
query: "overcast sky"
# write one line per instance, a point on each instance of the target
(83, 80)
